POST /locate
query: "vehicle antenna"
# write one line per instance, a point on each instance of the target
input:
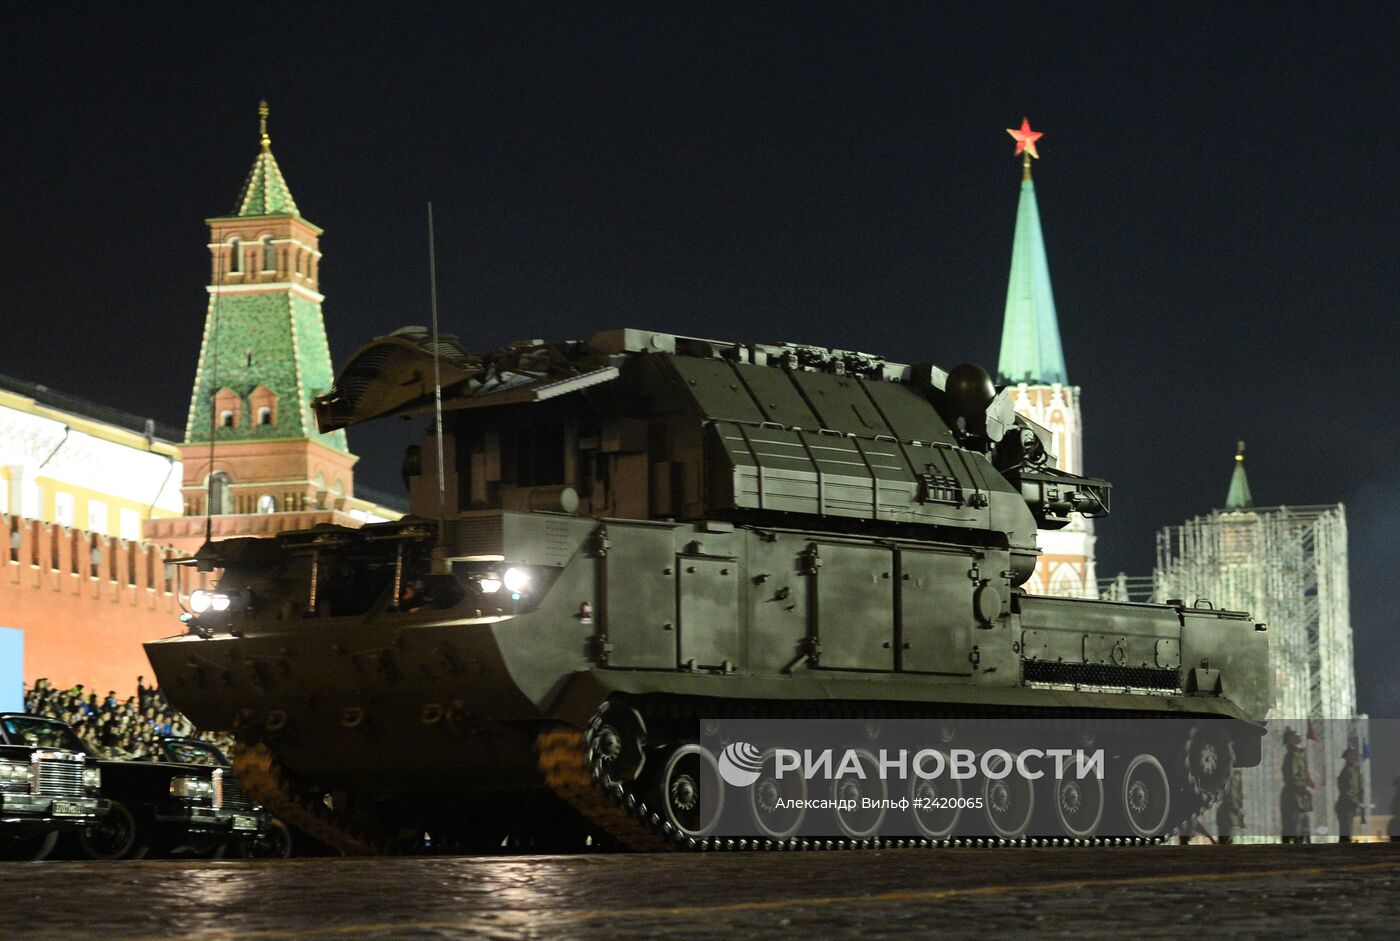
(213, 390)
(437, 380)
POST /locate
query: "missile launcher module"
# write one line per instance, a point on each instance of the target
(634, 535)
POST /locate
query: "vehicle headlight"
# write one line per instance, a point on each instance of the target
(201, 600)
(490, 583)
(219, 602)
(515, 579)
(191, 788)
(16, 774)
(92, 778)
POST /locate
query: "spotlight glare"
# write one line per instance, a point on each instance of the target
(516, 579)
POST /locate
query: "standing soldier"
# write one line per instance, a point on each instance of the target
(1229, 816)
(1351, 795)
(1295, 799)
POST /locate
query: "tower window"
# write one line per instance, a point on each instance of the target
(267, 503)
(235, 247)
(269, 254)
(227, 405)
(220, 493)
(262, 403)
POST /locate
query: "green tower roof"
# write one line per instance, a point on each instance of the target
(265, 346)
(1239, 497)
(265, 192)
(1030, 333)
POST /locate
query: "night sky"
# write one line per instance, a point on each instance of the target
(1217, 190)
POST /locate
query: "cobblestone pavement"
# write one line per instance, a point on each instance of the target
(1117, 892)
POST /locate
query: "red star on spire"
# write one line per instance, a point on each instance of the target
(1025, 138)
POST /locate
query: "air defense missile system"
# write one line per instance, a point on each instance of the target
(637, 535)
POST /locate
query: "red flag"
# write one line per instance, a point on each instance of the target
(1312, 733)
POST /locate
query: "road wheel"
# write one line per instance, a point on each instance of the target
(1008, 803)
(689, 791)
(117, 835)
(1079, 805)
(1146, 796)
(857, 789)
(778, 803)
(29, 848)
(936, 805)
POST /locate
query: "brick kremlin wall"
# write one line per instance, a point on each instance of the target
(86, 602)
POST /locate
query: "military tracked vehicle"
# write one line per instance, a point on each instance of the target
(641, 533)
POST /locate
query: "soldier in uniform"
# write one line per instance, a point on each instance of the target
(1229, 815)
(1351, 794)
(1295, 798)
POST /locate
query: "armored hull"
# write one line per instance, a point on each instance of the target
(642, 532)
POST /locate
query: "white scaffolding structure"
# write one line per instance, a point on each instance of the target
(1286, 566)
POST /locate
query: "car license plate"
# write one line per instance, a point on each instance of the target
(241, 822)
(67, 809)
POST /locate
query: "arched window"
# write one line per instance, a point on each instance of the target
(267, 503)
(269, 254)
(235, 249)
(221, 493)
(262, 404)
(227, 405)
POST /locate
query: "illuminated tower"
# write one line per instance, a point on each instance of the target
(252, 452)
(1032, 363)
(1287, 566)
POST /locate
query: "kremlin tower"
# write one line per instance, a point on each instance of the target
(1032, 364)
(255, 463)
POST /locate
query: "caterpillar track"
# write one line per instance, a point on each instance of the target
(265, 781)
(576, 766)
(581, 767)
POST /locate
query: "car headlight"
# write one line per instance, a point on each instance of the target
(191, 788)
(515, 579)
(16, 775)
(92, 778)
(201, 600)
(490, 583)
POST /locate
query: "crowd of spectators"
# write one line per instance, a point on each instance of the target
(116, 728)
